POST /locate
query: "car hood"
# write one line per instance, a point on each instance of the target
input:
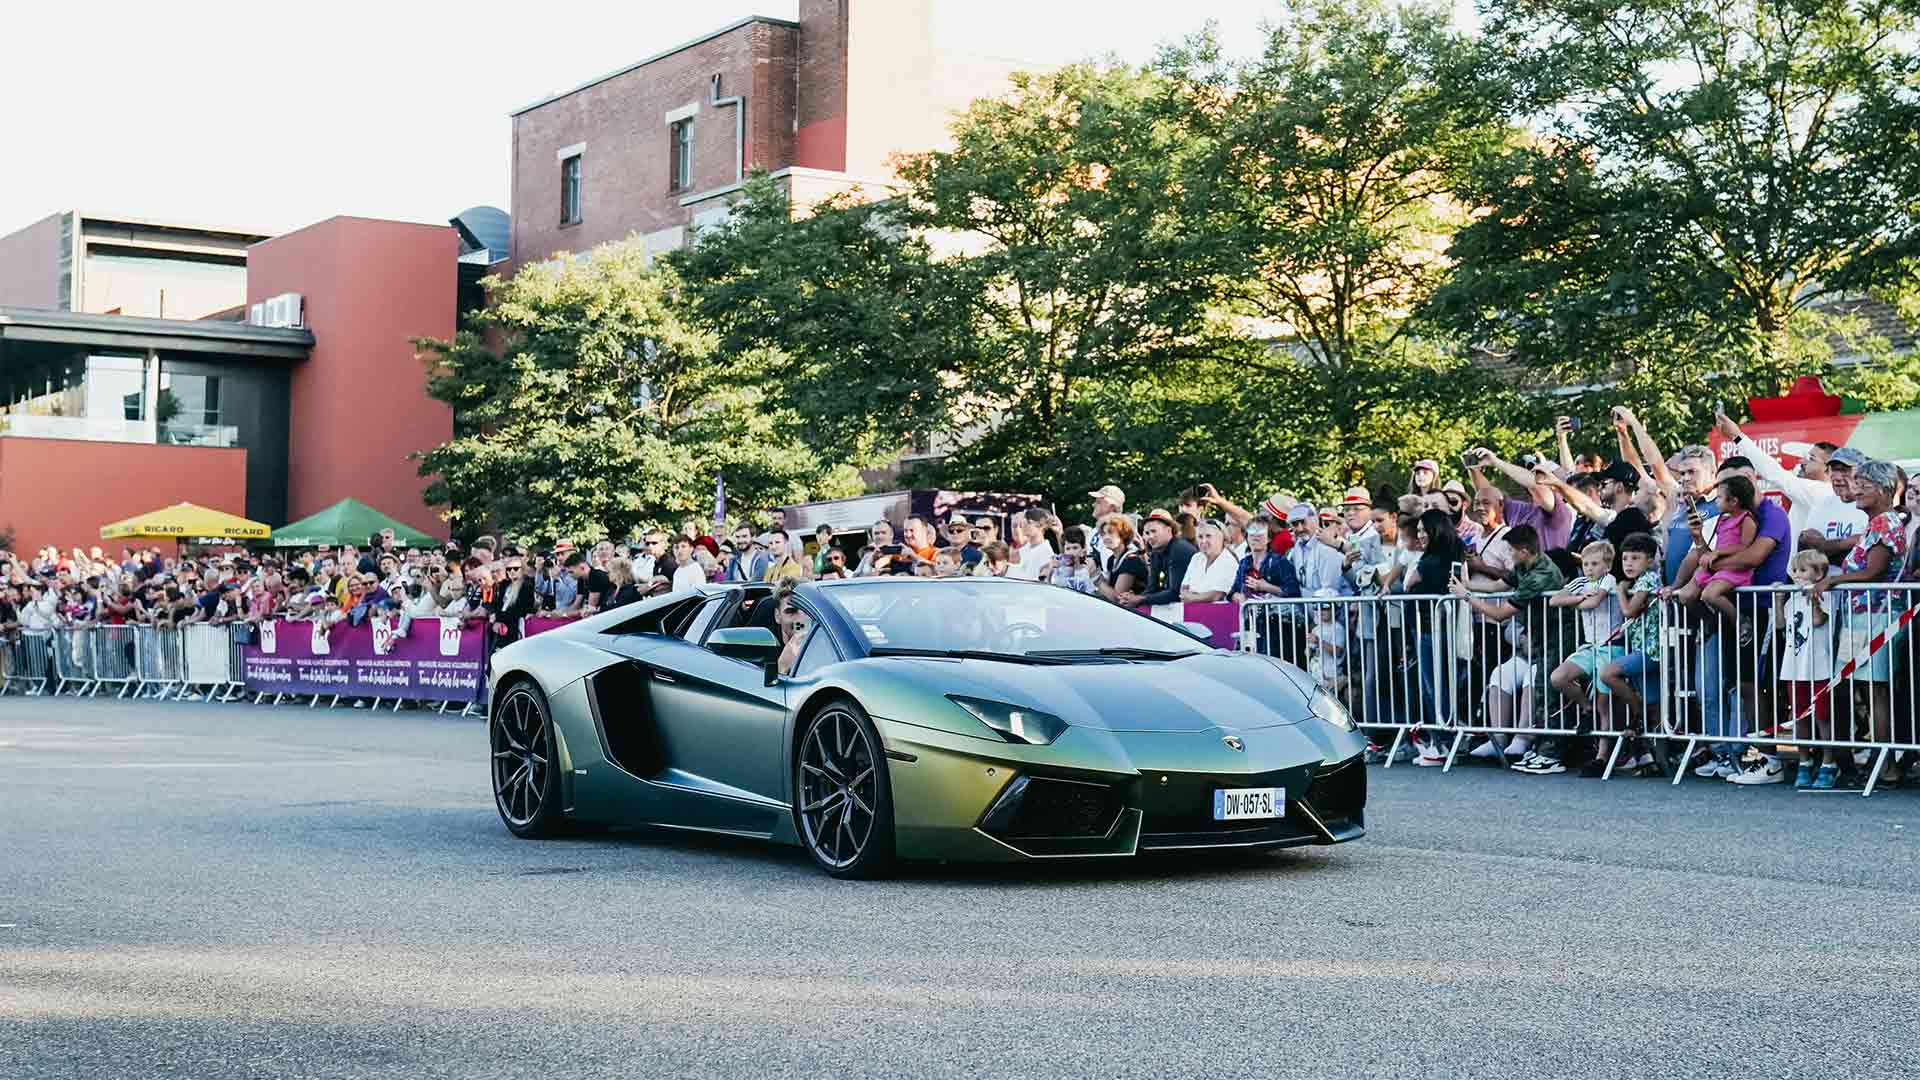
(1242, 691)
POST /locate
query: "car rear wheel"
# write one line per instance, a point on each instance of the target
(525, 780)
(843, 803)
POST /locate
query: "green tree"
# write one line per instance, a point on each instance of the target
(586, 404)
(996, 296)
(1708, 178)
(863, 331)
(1328, 185)
(1076, 268)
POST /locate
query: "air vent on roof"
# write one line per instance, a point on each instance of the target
(283, 310)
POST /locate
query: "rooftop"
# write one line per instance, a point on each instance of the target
(682, 47)
(132, 332)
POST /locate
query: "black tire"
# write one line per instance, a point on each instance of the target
(842, 794)
(522, 763)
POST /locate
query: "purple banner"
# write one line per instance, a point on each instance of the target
(437, 660)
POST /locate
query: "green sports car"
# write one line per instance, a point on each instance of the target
(878, 719)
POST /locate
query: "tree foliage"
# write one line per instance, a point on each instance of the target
(864, 331)
(589, 405)
(1706, 174)
(1377, 240)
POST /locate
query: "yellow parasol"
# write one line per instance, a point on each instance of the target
(185, 521)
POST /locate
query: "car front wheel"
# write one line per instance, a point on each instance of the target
(525, 781)
(843, 805)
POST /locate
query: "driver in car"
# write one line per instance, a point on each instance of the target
(793, 623)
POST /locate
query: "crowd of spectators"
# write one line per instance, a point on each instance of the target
(1561, 570)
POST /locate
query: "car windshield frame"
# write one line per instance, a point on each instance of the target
(1073, 623)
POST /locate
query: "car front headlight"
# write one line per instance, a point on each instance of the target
(1326, 708)
(1014, 723)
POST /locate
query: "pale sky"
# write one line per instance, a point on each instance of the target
(271, 116)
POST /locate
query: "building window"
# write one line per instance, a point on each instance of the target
(188, 410)
(570, 190)
(116, 388)
(680, 155)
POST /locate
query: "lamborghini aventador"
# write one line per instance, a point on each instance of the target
(872, 720)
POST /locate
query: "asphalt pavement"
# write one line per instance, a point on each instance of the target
(215, 891)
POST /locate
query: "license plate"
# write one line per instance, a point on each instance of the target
(1239, 804)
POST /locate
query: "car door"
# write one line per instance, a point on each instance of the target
(722, 730)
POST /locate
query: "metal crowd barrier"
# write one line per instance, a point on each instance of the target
(29, 662)
(73, 660)
(206, 655)
(113, 659)
(201, 660)
(1431, 673)
(1424, 674)
(1836, 676)
(158, 661)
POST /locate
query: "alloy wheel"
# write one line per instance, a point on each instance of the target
(839, 787)
(519, 756)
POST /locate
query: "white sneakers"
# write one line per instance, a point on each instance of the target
(1768, 770)
(1718, 767)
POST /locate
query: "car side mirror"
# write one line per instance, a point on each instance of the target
(754, 644)
(1199, 630)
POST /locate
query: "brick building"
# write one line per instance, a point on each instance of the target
(822, 103)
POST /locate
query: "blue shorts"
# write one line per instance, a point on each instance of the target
(1637, 667)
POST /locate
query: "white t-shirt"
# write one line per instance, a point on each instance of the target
(689, 575)
(1034, 562)
(1217, 577)
(1831, 516)
(1811, 504)
(1597, 623)
(1806, 653)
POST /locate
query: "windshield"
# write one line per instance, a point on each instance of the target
(999, 617)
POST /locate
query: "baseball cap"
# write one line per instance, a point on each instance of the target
(1454, 487)
(1357, 496)
(1428, 464)
(1301, 512)
(1111, 493)
(1847, 458)
(1621, 473)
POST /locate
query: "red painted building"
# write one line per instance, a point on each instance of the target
(358, 405)
(104, 416)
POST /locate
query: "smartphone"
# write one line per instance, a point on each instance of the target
(1467, 459)
(1460, 570)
